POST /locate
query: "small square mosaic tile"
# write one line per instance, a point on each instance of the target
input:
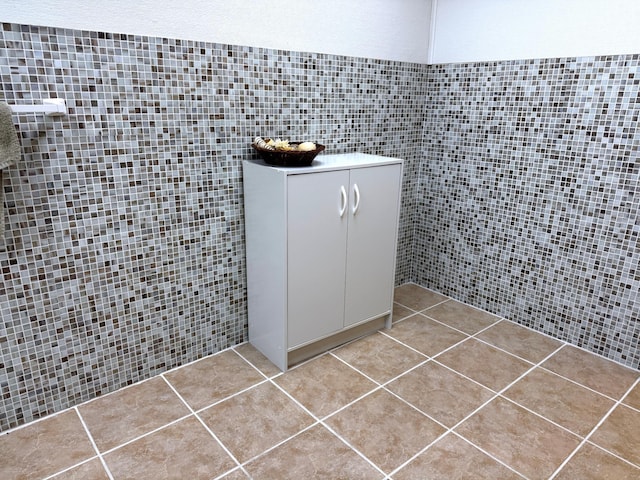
(124, 251)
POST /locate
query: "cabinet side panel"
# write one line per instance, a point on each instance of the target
(372, 240)
(265, 224)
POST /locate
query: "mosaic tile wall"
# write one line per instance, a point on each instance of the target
(528, 201)
(124, 251)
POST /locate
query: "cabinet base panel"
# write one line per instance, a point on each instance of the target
(305, 352)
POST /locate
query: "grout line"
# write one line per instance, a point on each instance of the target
(464, 419)
(93, 444)
(203, 424)
(593, 430)
(321, 421)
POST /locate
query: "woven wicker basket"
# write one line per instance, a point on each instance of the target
(291, 158)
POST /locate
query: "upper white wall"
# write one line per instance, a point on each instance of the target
(385, 29)
(476, 30)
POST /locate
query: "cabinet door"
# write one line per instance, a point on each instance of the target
(371, 248)
(317, 240)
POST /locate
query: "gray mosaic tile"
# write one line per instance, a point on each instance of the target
(124, 253)
(527, 200)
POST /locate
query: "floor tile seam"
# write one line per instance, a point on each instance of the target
(496, 394)
(482, 330)
(381, 384)
(93, 444)
(412, 406)
(593, 430)
(489, 454)
(193, 412)
(233, 470)
(404, 344)
(358, 452)
(251, 364)
(217, 402)
(451, 299)
(541, 416)
(613, 454)
(325, 417)
(574, 382)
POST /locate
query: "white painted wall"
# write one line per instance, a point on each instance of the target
(476, 30)
(386, 29)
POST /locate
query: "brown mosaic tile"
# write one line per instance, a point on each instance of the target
(527, 443)
(384, 429)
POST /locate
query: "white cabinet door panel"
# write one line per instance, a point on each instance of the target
(373, 220)
(317, 238)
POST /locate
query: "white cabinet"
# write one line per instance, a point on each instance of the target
(321, 248)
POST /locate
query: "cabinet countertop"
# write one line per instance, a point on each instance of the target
(336, 161)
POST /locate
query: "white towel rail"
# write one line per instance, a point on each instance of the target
(50, 106)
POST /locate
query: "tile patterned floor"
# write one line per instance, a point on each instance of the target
(448, 392)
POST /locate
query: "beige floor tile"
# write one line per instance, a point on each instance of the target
(620, 434)
(593, 371)
(453, 458)
(324, 384)
(484, 364)
(131, 412)
(179, 451)
(415, 297)
(253, 421)
(591, 463)
(633, 399)
(440, 393)
(425, 335)
(315, 453)
(560, 400)
(213, 378)
(520, 341)
(400, 312)
(385, 429)
(257, 359)
(236, 475)
(527, 443)
(379, 357)
(462, 317)
(44, 447)
(92, 470)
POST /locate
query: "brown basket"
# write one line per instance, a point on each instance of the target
(292, 158)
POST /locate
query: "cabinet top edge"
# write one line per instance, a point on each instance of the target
(334, 162)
